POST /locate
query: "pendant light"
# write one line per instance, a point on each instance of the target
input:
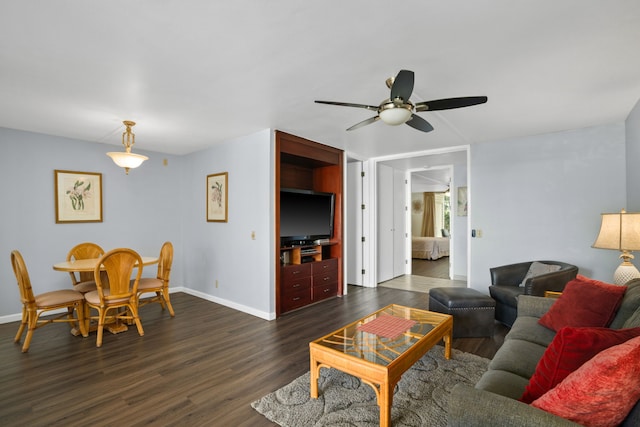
(127, 160)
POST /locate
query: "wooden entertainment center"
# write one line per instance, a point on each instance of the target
(308, 272)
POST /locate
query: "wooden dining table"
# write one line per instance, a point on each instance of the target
(89, 264)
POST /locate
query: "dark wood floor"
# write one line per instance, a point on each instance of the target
(203, 367)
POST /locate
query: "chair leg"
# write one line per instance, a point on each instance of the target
(102, 314)
(33, 322)
(167, 300)
(136, 318)
(23, 323)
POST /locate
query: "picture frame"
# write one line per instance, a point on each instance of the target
(217, 197)
(463, 204)
(78, 196)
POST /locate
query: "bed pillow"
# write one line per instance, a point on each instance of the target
(602, 391)
(570, 349)
(538, 268)
(584, 302)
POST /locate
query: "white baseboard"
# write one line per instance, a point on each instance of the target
(249, 310)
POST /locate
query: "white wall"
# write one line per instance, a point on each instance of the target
(140, 210)
(633, 159)
(541, 197)
(225, 251)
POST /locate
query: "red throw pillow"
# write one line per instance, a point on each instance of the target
(570, 349)
(584, 302)
(601, 392)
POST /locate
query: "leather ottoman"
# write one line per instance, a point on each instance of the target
(473, 312)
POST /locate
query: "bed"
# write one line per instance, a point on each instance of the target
(429, 247)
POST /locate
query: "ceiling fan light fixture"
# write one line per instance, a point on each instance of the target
(127, 159)
(395, 115)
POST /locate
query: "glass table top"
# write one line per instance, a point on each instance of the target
(396, 327)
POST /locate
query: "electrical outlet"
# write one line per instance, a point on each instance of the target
(216, 283)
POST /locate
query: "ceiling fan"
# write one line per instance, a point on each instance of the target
(398, 109)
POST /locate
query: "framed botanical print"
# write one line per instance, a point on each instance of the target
(78, 196)
(217, 192)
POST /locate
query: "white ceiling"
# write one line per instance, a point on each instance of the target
(193, 73)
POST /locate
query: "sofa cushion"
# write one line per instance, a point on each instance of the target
(630, 303)
(537, 268)
(527, 328)
(633, 321)
(503, 383)
(592, 395)
(569, 350)
(519, 357)
(584, 302)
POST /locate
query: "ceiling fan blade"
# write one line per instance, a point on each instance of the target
(450, 103)
(364, 123)
(402, 85)
(347, 104)
(419, 123)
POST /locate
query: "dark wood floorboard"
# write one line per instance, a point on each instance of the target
(203, 367)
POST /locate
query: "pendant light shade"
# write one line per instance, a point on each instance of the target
(127, 159)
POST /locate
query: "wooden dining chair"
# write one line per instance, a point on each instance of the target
(117, 294)
(84, 281)
(160, 284)
(33, 306)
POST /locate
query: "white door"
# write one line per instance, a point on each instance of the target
(354, 223)
(385, 207)
(399, 223)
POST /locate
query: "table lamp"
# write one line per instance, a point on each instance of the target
(621, 231)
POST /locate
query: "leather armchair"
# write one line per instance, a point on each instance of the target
(506, 280)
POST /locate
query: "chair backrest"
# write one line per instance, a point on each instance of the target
(118, 264)
(165, 261)
(86, 250)
(22, 275)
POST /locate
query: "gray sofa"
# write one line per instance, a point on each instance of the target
(494, 400)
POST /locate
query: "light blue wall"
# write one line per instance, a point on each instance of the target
(633, 159)
(226, 251)
(140, 210)
(152, 204)
(541, 197)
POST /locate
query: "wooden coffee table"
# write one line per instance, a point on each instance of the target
(379, 359)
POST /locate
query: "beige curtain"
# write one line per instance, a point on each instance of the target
(429, 212)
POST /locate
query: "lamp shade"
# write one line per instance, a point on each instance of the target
(620, 231)
(127, 160)
(395, 116)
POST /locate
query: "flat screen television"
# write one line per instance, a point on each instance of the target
(305, 216)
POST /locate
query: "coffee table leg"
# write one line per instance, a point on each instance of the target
(313, 373)
(447, 344)
(385, 400)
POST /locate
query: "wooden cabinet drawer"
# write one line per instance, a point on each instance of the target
(325, 291)
(295, 300)
(325, 278)
(295, 284)
(295, 271)
(327, 265)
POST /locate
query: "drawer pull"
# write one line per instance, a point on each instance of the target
(326, 278)
(296, 299)
(295, 272)
(327, 290)
(297, 285)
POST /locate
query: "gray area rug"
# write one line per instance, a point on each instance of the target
(420, 398)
